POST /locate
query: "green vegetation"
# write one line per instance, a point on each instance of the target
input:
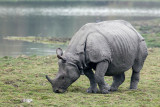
(24, 78)
(150, 31)
(152, 40)
(45, 40)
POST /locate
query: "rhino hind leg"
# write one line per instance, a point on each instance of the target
(134, 79)
(93, 85)
(117, 81)
(138, 64)
(136, 74)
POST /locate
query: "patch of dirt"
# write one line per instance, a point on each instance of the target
(9, 82)
(9, 69)
(13, 82)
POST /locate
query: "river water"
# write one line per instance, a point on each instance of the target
(61, 19)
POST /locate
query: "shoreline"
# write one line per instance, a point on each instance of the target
(44, 40)
(148, 29)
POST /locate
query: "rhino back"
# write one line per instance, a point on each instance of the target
(120, 38)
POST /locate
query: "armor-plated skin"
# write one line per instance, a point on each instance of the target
(110, 48)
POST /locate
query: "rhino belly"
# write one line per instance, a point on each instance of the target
(123, 54)
(117, 69)
(122, 61)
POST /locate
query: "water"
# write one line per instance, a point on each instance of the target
(61, 19)
(16, 48)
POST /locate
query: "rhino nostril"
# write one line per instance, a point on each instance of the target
(57, 91)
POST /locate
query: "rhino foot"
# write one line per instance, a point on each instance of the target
(105, 89)
(133, 88)
(133, 85)
(113, 89)
(92, 90)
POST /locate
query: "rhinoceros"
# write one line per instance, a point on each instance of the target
(110, 48)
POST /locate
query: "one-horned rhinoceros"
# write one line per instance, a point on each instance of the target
(110, 48)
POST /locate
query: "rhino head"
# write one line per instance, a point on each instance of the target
(67, 74)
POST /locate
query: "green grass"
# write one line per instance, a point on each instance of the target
(24, 78)
(152, 40)
(150, 31)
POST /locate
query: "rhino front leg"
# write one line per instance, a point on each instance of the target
(101, 69)
(93, 85)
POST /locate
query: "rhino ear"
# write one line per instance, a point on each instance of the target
(59, 53)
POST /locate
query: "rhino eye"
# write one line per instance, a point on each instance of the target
(62, 77)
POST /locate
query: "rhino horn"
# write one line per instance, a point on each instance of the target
(48, 79)
(59, 53)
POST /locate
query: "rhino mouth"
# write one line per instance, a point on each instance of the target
(59, 90)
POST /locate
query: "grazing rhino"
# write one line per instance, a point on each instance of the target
(110, 48)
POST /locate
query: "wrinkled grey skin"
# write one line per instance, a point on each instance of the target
(110, 48)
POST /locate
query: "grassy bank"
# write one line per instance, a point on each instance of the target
(44, 40)
(23, 78)
(152, 40)
(149, 29)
